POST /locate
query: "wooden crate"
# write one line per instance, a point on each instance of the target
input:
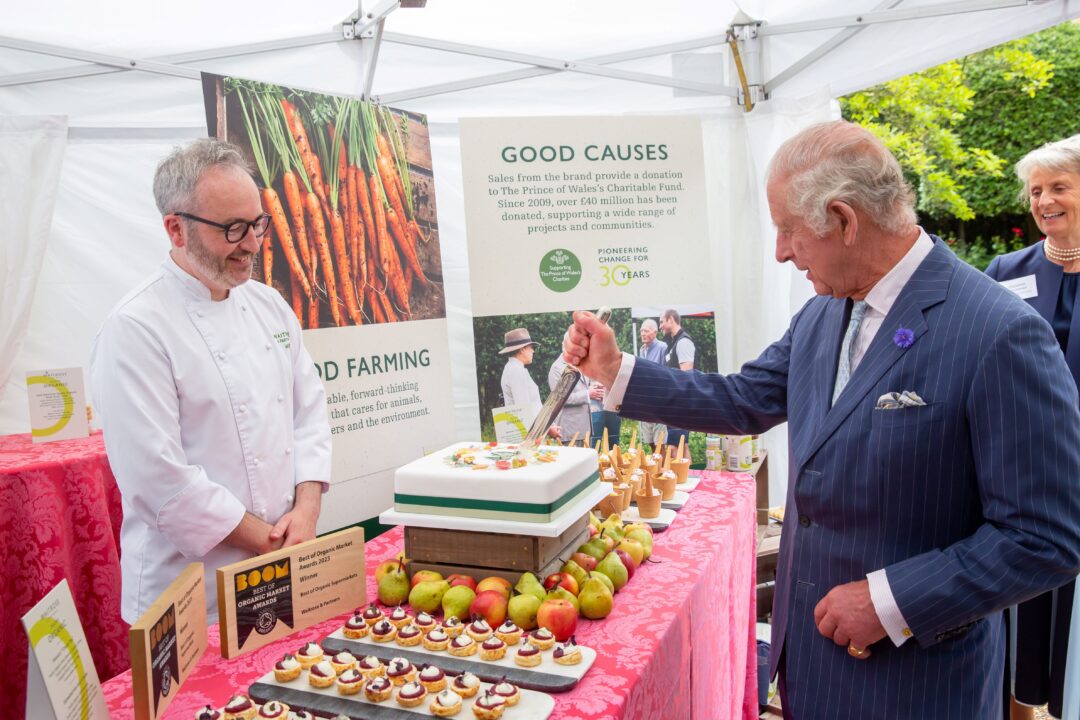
(484, 553)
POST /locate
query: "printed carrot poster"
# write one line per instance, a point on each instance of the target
(354, 250)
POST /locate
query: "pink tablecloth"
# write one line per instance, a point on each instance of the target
(679, 643)
(60, 517)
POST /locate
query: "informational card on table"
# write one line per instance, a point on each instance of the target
(62, 682)
(167, 642)
(57, 404)
(569, 212)
(273, 595)
(510, 423)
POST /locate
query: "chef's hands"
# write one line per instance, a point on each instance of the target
(298, 525)
(590, 345)
(846, 615)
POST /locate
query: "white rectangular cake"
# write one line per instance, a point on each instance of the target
(481, 480)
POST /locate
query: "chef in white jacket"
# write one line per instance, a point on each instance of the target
(214, 416)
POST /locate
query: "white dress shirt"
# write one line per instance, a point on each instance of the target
(520, 389)
(210, 409)
(879, 301)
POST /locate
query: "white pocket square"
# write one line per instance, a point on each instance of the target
(898, 400)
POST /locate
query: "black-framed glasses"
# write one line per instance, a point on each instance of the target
(234, 231)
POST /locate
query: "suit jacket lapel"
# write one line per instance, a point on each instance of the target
(1048, 285)
(926, 288)
(826, 358)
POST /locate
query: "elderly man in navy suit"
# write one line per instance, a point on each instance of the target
(934, 439)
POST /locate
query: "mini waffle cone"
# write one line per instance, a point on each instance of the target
(666, 486)
(648, 505)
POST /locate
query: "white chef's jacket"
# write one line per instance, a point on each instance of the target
(210, 409)
(520, 389)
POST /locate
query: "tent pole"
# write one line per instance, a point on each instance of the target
(177, 59)
(115, 61)
(525, 74)
(557, 64)
(893, 15)
(822, 50)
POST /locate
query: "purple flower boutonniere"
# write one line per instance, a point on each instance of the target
(903, 338)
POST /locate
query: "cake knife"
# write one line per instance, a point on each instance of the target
(557, 399)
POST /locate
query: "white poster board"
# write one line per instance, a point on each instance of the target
(62, 682)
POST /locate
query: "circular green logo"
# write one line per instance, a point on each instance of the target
(560, 270)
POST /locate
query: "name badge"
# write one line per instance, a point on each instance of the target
(1024, 287)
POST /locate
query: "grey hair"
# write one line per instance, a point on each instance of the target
(1062, 156)
(840, 161)
(649, 324)
(177, 174)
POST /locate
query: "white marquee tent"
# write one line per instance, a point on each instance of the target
(92, 95)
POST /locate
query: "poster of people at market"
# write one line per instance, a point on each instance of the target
(353, 248)
(582, 212)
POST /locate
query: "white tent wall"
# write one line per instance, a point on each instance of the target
(106, 234)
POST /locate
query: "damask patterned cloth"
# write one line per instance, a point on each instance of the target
(60, 517)
(679, 642)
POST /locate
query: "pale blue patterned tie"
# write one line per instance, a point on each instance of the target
(843, 370)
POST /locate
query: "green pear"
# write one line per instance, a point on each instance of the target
(593, 520)
(456, 602)
(522, 610)
(427, 596)
(644, 537)
(613, 528)
(562, 593)
(594, 547)
(604, 579)
(393, 587)
(613, 567)
(572, 568)
(595, 598)
(529, 584)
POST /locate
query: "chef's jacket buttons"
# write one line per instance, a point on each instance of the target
(243, 408)
(244, 308)
(221, 356)
(255, 462)
(268, 346)
(288, 451)
(199, 313)
(280, 398)
(288, 499)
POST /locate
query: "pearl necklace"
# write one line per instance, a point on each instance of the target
(1062, 255)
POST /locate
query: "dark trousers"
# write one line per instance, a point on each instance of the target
(606, 419)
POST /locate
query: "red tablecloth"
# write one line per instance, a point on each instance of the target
(679, 643)
(60, 517)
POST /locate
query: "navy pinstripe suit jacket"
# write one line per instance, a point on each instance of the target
(969, 502)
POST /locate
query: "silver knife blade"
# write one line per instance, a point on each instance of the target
(557, 399)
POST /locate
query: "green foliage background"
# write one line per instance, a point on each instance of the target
(548, 329)
(959, 128)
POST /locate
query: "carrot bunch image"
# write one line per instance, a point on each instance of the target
(344, 244)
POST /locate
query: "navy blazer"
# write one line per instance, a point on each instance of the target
(1032, 261)
(970, 502)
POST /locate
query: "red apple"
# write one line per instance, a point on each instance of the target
(558, 616)
(593, 530)
(628, 562)
(457, 579)
(561, 579)
(423, 576)
(490, 605)
(587, 562)
(495, 583)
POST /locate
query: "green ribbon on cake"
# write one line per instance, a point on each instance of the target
(494, 509)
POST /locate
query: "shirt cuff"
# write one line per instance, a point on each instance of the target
(613, 398)
(887, 611)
